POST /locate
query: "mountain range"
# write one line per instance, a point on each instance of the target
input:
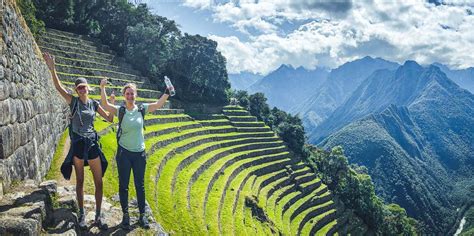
(287, 87)
(411, 126)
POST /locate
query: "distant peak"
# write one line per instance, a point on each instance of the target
(412, 64)
(367, 58)
(285, 67)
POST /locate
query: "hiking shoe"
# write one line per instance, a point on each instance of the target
(82, 221)
(143, 222)
(100, 223)
(125, 224)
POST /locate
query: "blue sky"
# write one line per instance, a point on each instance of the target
(259, 35)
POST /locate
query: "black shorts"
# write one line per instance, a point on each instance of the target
(79, 151)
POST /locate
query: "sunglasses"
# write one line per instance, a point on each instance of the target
(81, 87)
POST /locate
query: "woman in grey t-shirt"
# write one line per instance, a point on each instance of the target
(84, 149)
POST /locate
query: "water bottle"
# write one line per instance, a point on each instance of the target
(169, 85)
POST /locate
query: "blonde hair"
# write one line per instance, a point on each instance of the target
(129, 85)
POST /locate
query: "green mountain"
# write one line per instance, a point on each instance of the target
(413, 129)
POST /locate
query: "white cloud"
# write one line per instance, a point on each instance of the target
(394, 30)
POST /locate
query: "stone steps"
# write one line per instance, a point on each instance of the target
(96, 65)
(98, 72)
(78, 50)
(95, 90)
(53, 39)
(71, 37)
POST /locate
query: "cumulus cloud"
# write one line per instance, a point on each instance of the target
(334, 32)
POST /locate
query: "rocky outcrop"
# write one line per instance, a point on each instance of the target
(48, 209)
(32, 115)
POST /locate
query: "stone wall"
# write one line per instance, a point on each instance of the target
(32, 114)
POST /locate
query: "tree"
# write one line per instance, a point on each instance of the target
(199, 71)
(258, 106)
(28, 10)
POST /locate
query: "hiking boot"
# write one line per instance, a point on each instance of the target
(100, 223)
(82, 221)
(143, 222)
(125, 224)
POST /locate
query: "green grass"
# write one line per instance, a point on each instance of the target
(231, 197)
(263, 194)
(54, 172)
(242, 225)
(309, 225)
(322, 231)
(181, 187)
(278, 210)
(170, 208)
(256, 187)
(158, 127)
(287, 214)
(214, 199)
(101, 124)
(298, 219)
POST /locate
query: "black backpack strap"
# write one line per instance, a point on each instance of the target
(74, 106)
(121, 113)
(96, 105)
(141, 109)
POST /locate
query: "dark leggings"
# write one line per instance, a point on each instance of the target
(127, 161)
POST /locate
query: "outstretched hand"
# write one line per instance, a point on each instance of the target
(112, 98)
(49, 59)
(103, 82)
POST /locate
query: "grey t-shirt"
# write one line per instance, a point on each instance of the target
(86, 114)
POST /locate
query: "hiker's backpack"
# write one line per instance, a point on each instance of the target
(121, 113)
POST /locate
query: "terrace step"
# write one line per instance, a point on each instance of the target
(230, 107)
(95, 80)
(70, 69)
(235, 112)
(95, 90)
(78, 50)
(253, 129)
(242, 118)
(215, 122)
(54, 39)
(68, 36)
(115, 61)
(95, 65)
(248, 124)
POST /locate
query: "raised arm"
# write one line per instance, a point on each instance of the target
(103, 99)
(160, 103)
(107, 116)
(51, 65)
